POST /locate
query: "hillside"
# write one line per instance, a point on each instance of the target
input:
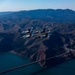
(15, 21)
(60, 22)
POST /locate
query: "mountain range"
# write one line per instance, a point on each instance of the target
(61, 22)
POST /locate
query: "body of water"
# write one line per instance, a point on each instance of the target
(9, 60)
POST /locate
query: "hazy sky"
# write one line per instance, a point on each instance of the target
(16, 5)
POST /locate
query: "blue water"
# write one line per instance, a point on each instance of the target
(9, 60)
(67, 68)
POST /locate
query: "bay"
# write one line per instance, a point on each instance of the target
(9, 60)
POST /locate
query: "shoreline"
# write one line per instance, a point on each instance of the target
(12, 51)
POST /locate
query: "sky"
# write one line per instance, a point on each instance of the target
(17, 5)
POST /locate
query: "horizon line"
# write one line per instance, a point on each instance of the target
(38, 9)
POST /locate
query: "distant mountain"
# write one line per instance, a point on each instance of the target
(15, 21)
(4, 13)
(58, 15)
(50, 15)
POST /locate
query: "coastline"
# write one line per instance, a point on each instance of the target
(12, 51)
